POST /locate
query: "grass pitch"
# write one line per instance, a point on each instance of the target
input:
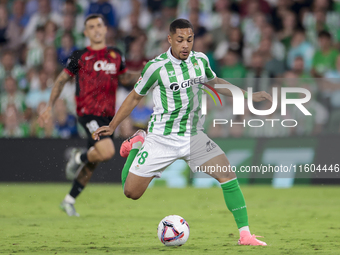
(301, 220)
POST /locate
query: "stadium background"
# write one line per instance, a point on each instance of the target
(251, 43)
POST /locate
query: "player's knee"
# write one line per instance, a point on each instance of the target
(226, 177)
(108, 154)
(130, 194)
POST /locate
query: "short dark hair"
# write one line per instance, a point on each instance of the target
(324, 34)
(180, 23)
(7, 52)
(69, 2)
(298, 57)
(68, 34)
(234, 52)
(300, 30)
(94, 16)
(40, 28)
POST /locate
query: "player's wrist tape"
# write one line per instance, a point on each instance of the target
(245, 95)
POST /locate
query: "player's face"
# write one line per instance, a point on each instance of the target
(95, 30)
(181, 43)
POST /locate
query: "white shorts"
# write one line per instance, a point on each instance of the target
(158, 152)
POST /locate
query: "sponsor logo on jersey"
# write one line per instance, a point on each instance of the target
(109, 68)
(187, 83)
(89, 57)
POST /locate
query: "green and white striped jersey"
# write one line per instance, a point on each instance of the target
(177, 92)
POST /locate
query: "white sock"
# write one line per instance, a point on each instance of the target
(137, 145)
(69, 199)
(245, 228)
(77, 158)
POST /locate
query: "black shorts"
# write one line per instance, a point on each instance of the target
(91, 123)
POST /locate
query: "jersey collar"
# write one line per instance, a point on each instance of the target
(175, 60)
(90, 49)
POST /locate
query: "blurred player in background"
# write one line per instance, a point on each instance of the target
(97, 70)
(176, 125)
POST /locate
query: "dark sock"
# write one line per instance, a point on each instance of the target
(76, 189)
(83, 158)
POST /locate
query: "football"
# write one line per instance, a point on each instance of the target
(173, 230)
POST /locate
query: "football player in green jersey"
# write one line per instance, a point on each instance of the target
(175, 129)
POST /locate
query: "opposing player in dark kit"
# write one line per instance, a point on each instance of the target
(97, 70)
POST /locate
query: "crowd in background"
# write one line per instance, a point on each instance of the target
(251, 43)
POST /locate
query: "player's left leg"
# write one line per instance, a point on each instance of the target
(99, 151)
(233, 197)
(209, 158)
(103, 150)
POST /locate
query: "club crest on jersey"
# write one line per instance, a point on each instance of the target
(109, 68)
(113, 54)
(187, 83)
(196, 66)
(139, 80)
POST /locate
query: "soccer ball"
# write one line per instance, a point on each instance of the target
(173, 230)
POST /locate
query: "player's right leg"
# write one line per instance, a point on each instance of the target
(135, 186)
(233, 198)
(82, 164)
(145, 161)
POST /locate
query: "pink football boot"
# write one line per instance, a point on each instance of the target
(126, 147)
(247, 239)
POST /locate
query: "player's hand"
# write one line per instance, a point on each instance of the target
(261, 96)
(44, 116)
(102, 131)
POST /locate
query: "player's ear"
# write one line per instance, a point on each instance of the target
(85, 32)
(169, 39)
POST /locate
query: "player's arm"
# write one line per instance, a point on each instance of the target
(68, 72)
(148, 79)
(129, 77)
(126, 108)
(257, 96)
(56, 90)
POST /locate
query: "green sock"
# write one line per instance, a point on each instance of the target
(235, 202)
(128, 164)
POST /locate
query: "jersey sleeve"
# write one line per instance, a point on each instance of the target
(209, 73)
(148, 79)
(122, 67)
(72, 67)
